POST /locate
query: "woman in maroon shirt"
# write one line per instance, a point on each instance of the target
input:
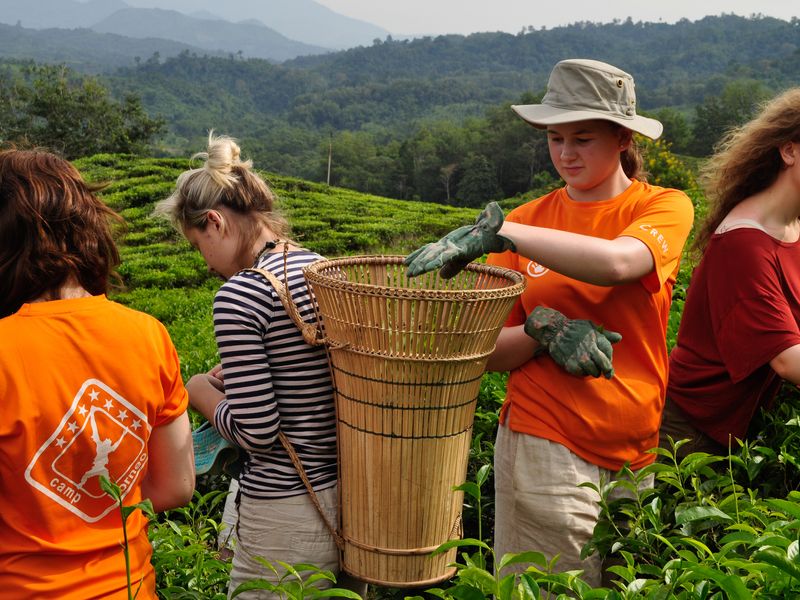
(740, 332)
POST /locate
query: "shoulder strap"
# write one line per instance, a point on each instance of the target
(311, 333)
(311, 336)
(736, 222)
(298, 464)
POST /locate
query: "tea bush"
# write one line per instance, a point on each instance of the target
(710, 527)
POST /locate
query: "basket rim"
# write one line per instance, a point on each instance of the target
(515, 279)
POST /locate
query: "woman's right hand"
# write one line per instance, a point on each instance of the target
(461, 246)
(205, 392)
(217, 377)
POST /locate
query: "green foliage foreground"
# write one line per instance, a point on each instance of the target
(710, 528)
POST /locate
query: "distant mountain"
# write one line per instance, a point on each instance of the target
(64, 14)
(204, 14)
(83, 49)
(252, 38)
(302, 20)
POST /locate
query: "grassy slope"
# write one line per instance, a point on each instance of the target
(164, 277)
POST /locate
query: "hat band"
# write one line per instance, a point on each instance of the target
(610, 107)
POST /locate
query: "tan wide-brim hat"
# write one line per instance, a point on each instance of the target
(581, 90)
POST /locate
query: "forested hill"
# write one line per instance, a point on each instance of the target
(428, 119)
(83, 49)
(453, 76)
(663, 57)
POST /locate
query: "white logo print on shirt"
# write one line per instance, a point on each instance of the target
(111, 426)
(536, 270)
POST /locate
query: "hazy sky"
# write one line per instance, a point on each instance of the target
(468, 16)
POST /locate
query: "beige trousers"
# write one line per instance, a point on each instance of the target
(226, 539)
(288, 530)
(539, 506)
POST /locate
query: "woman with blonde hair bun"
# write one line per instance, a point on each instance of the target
(740, 332)
(271, 381)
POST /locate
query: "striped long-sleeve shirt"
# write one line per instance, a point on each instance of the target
(274, 380)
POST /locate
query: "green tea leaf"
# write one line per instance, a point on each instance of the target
(697, 513)
(460, 543)
(536, 558)
(787, 507)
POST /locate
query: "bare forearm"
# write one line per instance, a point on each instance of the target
(514, 348)
(787, 364)
(166, 498)
(205, 394)
(169, 480)
(586, 258)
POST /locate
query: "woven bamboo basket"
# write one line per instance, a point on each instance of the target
(407, 356)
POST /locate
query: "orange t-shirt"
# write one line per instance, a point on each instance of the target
(83, 383)
(606, 422)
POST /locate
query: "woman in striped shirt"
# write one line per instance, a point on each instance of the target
(270, 379)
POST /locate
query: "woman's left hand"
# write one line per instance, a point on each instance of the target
(217, 377)
(578, 345)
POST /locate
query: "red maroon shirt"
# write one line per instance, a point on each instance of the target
(742, 310)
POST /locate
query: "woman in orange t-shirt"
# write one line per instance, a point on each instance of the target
(601, 251)
(89, 389)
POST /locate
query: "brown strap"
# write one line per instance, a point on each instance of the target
(299, 466)
(312, 336)
(311, 333)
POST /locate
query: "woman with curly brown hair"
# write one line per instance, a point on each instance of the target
(89, 389)
(740, 332)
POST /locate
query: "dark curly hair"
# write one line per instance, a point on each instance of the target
(52, 226)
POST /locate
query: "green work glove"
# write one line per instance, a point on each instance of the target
(461, 246)
(578, 345)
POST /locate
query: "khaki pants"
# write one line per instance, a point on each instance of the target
(226, 539)
(539, 506)
(289, 530)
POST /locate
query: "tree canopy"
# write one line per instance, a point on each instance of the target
(52, 106)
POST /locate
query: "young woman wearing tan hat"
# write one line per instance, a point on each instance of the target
(740, 332)
(600, 257)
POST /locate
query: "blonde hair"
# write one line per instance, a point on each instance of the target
(223, 180)
(747, 160)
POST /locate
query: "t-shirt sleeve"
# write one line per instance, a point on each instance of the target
(176, 398)
(751, 316)
(754, 332)
(663, 225)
